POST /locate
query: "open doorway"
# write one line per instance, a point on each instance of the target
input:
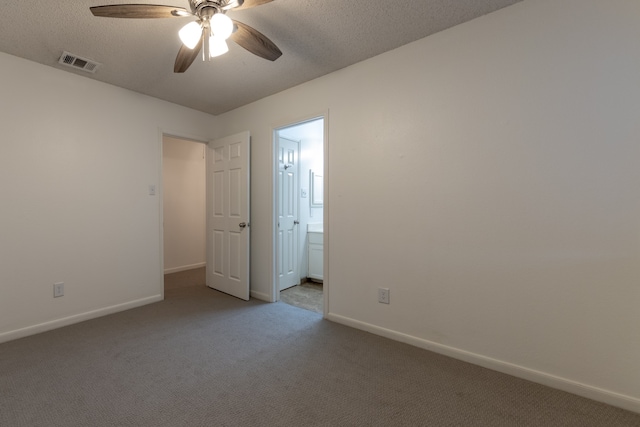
(184, 212)
(299, 201)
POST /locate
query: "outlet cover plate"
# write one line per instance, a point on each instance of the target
(58, 289)
(383, 295)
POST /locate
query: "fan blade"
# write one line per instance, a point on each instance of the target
(137, 11)
(251, 3)
(186, 57)
(255, 42)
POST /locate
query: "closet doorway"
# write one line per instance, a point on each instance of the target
(183, 204)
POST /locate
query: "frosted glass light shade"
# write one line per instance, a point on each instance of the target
(217, 46)
(221, 26)
(190, 34)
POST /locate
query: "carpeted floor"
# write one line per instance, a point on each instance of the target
(308, 295)
(203, 358)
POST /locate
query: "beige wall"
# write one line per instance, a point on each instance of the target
(183, 175)
(77, 158)
(488, 175)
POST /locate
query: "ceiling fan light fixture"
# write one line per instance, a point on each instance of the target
(210, 20)
(217, 46)
(221, 25)
(190, 34)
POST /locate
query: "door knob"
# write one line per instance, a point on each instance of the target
(243, 225)
(296, 222)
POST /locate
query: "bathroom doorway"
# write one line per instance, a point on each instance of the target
(299, 201)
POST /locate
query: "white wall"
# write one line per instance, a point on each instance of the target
(76, 161)
(184, 174)
(311, 158)
(498, 166)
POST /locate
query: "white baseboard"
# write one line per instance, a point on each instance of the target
(261, 296)
(76, 318)
(591, 392)
(184, 268)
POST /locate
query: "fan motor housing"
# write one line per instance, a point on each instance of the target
(198, 7)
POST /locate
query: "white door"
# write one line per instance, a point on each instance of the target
(287, 250)
(228, 215)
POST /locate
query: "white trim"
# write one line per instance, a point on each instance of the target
(585, 390)
(326, 223)
(76, 318)
(261, 296)
(185, 268)
(274, 291)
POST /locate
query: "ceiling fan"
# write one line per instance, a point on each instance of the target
(210, 30)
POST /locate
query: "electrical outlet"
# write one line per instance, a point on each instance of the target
(383, 295)
(58, 290)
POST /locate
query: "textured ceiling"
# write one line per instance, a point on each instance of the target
(315, 36)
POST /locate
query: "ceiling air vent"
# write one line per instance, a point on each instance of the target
(79, 63)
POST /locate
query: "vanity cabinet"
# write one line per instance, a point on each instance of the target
(315, 250)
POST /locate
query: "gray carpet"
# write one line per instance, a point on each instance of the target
(202, 358)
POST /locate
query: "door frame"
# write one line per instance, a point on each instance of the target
(160, 186)
(275, 294)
